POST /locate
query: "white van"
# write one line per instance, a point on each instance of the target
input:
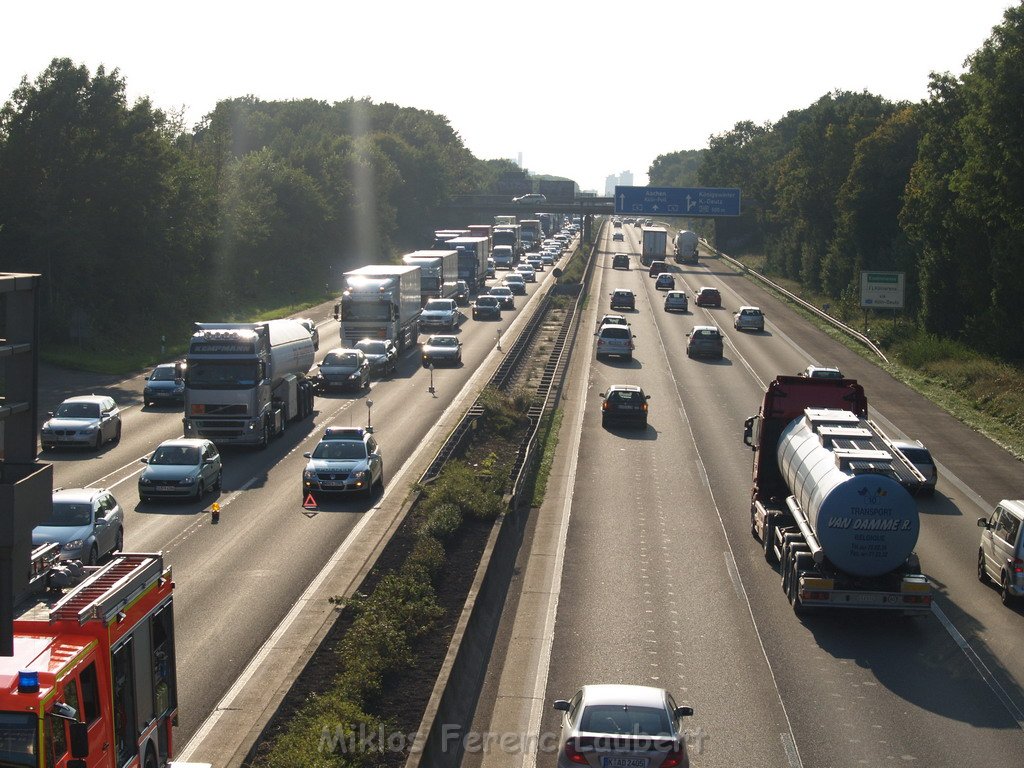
(614, 339)
(1001, 552)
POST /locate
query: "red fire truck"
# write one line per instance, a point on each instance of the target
(92, 680)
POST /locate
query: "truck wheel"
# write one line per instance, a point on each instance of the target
(769, 540)
(983, 576)
(264, 436)
(800, 562)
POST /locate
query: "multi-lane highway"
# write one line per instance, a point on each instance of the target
(640, 567)
(236, 581)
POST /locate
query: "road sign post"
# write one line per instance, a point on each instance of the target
(881, 290)
(694, 202)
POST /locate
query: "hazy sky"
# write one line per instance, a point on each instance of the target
(581, 89)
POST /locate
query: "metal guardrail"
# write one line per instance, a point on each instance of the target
(797, 300)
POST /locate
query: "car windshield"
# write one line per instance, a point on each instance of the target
(78, 411)
(707, 333)
(177, 455)
(372, 347)
(163, 374)
(487, 301)
(625, 396)
(443, 341)
(617, 719)
(341, 358)
(438, 305)
(70, 514)
(340, 450)
(624, 294)
(751, 312)
(500, 291)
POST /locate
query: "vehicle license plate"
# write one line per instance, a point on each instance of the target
(862, 598)
(624, 762)
(166, 488)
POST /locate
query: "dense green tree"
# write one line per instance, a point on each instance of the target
(676, 169)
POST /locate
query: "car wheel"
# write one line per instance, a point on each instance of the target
(218, 484)
(99, 440)
(983, 576)
(200, 490)
(264, 436)
(380, 480)
(94, 555)
(119, 541)
(1008, 598)
(117, 434)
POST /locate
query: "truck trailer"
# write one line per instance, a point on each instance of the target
(654, 243)
(482, 230)
(439, 270)
(473, 253)
(92, 681)
(686, 247)
(830, 501)
(532, 234)
(245, 381)
(381, 301)
(442, 236)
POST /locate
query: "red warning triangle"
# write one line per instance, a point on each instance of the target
(310, 502)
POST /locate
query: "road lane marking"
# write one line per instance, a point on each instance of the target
(980, 666)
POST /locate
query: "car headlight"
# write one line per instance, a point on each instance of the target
(74, 544)
(47, 427)
(190, 480)
(308, 474)
(360, 474)
(91, 428)
(143, 480)
(354, 375)
(179, 387)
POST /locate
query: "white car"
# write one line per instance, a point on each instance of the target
(748, 319)
(615, 340)
(88, 421)
(821, 372)
(1001, 550)
(439, 313)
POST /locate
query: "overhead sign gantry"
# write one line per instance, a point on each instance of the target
(678, 201)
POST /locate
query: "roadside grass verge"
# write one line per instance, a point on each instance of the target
(549, 438)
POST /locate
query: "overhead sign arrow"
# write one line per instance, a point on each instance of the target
(673, 201)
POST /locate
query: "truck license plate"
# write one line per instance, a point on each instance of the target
(862, 598)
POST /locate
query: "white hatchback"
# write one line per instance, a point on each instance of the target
(614, 339)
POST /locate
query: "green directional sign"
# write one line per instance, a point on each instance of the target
(881, 290)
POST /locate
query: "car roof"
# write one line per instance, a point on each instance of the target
(624, 388)
(87, 399)
(705, 328)
(624, 290)
(707, 288)
(347, 350)
(344, 433)
(745, 309)
(436, 336)
(627, 695)
(185, 442)
(80, 495)
(675, 294)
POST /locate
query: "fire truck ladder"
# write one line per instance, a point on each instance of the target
(110, 589)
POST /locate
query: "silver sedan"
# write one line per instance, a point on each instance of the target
(441, 348)
(622, 725)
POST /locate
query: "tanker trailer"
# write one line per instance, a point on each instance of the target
(829, 500)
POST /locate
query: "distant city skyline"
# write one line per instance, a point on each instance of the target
(624, 179)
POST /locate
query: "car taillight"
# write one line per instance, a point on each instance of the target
(604, 406)
(643, 406)
(1017, 565)
(574, 756)
(675, 757)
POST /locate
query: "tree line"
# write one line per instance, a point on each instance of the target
(855, 182)
(140, 227)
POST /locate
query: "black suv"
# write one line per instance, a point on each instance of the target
(623, 298)
(624, 403)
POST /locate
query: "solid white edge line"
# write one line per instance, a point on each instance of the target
(986, 675)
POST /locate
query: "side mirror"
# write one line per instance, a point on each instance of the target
(647, 397)
(600, 394)
(49, 414)
(144, 460)
(561, 705)
(983, 522)
(307, 455)
(683, 712)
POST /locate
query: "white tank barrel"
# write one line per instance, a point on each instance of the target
(866, 522)
(291, 348)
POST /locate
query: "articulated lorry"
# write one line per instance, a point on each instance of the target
(92, 680)
(473, 253)
(245, 381)
(381, 301)
(439, 270)
(830, 500)
(654, 244)
(532, 234)
(509, 234)
(686, 247)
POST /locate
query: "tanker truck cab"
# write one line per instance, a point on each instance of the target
(1001, 552)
